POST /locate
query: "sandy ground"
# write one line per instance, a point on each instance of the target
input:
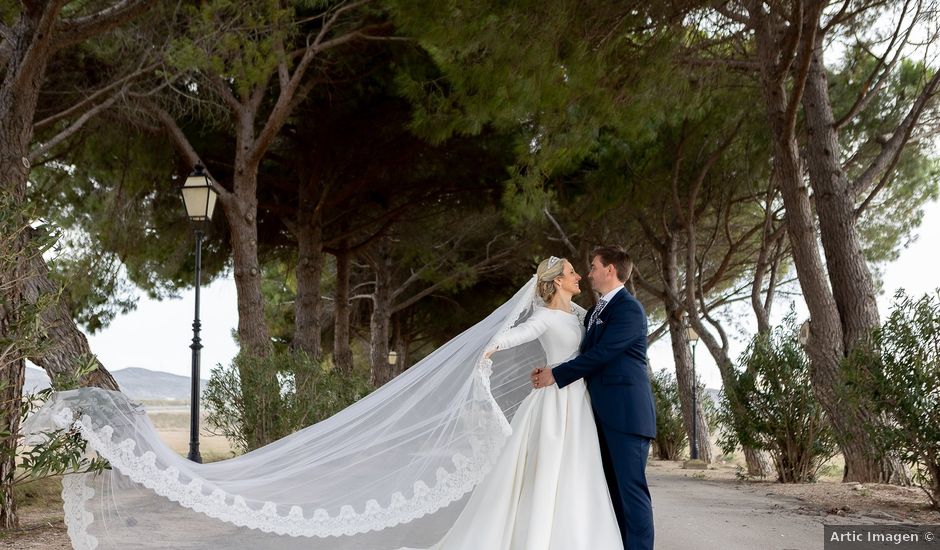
(714, 510)
(709, 509)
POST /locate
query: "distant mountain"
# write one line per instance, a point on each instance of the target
(136, 383)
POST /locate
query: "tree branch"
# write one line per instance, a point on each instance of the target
(78, 29)
(887, 158)
(93, 97)
(221, 87)
(802, 73)
(40, 150)
(184, 147)
(564, 236)
(37, 53)
(477, 267)
(868, 91)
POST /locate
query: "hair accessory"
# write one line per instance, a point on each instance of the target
(553, 260)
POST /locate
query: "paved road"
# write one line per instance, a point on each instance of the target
(700, 514)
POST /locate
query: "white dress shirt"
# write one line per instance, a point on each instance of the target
(610, 295)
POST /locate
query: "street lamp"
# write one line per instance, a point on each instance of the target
(693, 447)
(199, 199)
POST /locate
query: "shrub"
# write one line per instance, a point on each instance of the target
(777, 410)
(255, 401)
(671, 438)
(900, 373)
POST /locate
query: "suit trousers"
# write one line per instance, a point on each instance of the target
(624, 457)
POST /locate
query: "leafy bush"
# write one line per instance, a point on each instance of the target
(777, 410)
(901, 372)
(671, 437)
(255, 401)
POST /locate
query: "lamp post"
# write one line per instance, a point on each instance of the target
(693, 447)
(199, 199)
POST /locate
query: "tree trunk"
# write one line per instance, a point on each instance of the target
(851, 281)
(253, 336)
(683, 360)
(12, 377)
(825, 347)
(758, 463)
(241, 213)
(852, 284)
(29, 46)
(64, 346)
(342, 354)
(381, 315)
(307, 305)
(682, 356)
(12, 363)
(401, 341)
(13, 345)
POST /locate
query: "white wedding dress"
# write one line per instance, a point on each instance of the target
(548, 490)
(457, 452)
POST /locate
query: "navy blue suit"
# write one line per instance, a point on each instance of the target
(613, 364)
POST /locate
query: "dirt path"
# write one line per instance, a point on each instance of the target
(693, 510)
(713, 511)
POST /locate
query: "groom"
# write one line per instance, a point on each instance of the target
(613, 364)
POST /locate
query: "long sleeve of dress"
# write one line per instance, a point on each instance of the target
(528, 330)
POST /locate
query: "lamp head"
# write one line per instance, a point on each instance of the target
(199, 197)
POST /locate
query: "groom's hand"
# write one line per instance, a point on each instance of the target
(542, 378)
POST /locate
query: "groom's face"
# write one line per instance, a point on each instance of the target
(601, 276)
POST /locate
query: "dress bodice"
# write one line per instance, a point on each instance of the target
(559, 332)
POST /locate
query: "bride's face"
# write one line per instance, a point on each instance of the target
(568, 281)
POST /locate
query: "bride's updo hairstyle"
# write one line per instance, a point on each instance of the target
(548, 270)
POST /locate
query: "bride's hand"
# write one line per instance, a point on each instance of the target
(489, 353)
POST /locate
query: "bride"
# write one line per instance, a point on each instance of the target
(459, 451)
(548, 489)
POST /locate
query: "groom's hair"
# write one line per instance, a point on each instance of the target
(612, 254)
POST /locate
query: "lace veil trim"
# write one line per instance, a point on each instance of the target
(233, 508)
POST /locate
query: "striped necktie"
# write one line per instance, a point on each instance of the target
(597, 311)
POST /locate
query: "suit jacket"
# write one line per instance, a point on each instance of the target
(613, 364)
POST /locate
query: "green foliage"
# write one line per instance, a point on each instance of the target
(898, 209)
(900, 373)
(776, 408)
(710, 409)
(556, 73)
(671, 437)
(255, 400)
(123, 223)
(247, 55)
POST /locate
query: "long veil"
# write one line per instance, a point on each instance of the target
(391, 471)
